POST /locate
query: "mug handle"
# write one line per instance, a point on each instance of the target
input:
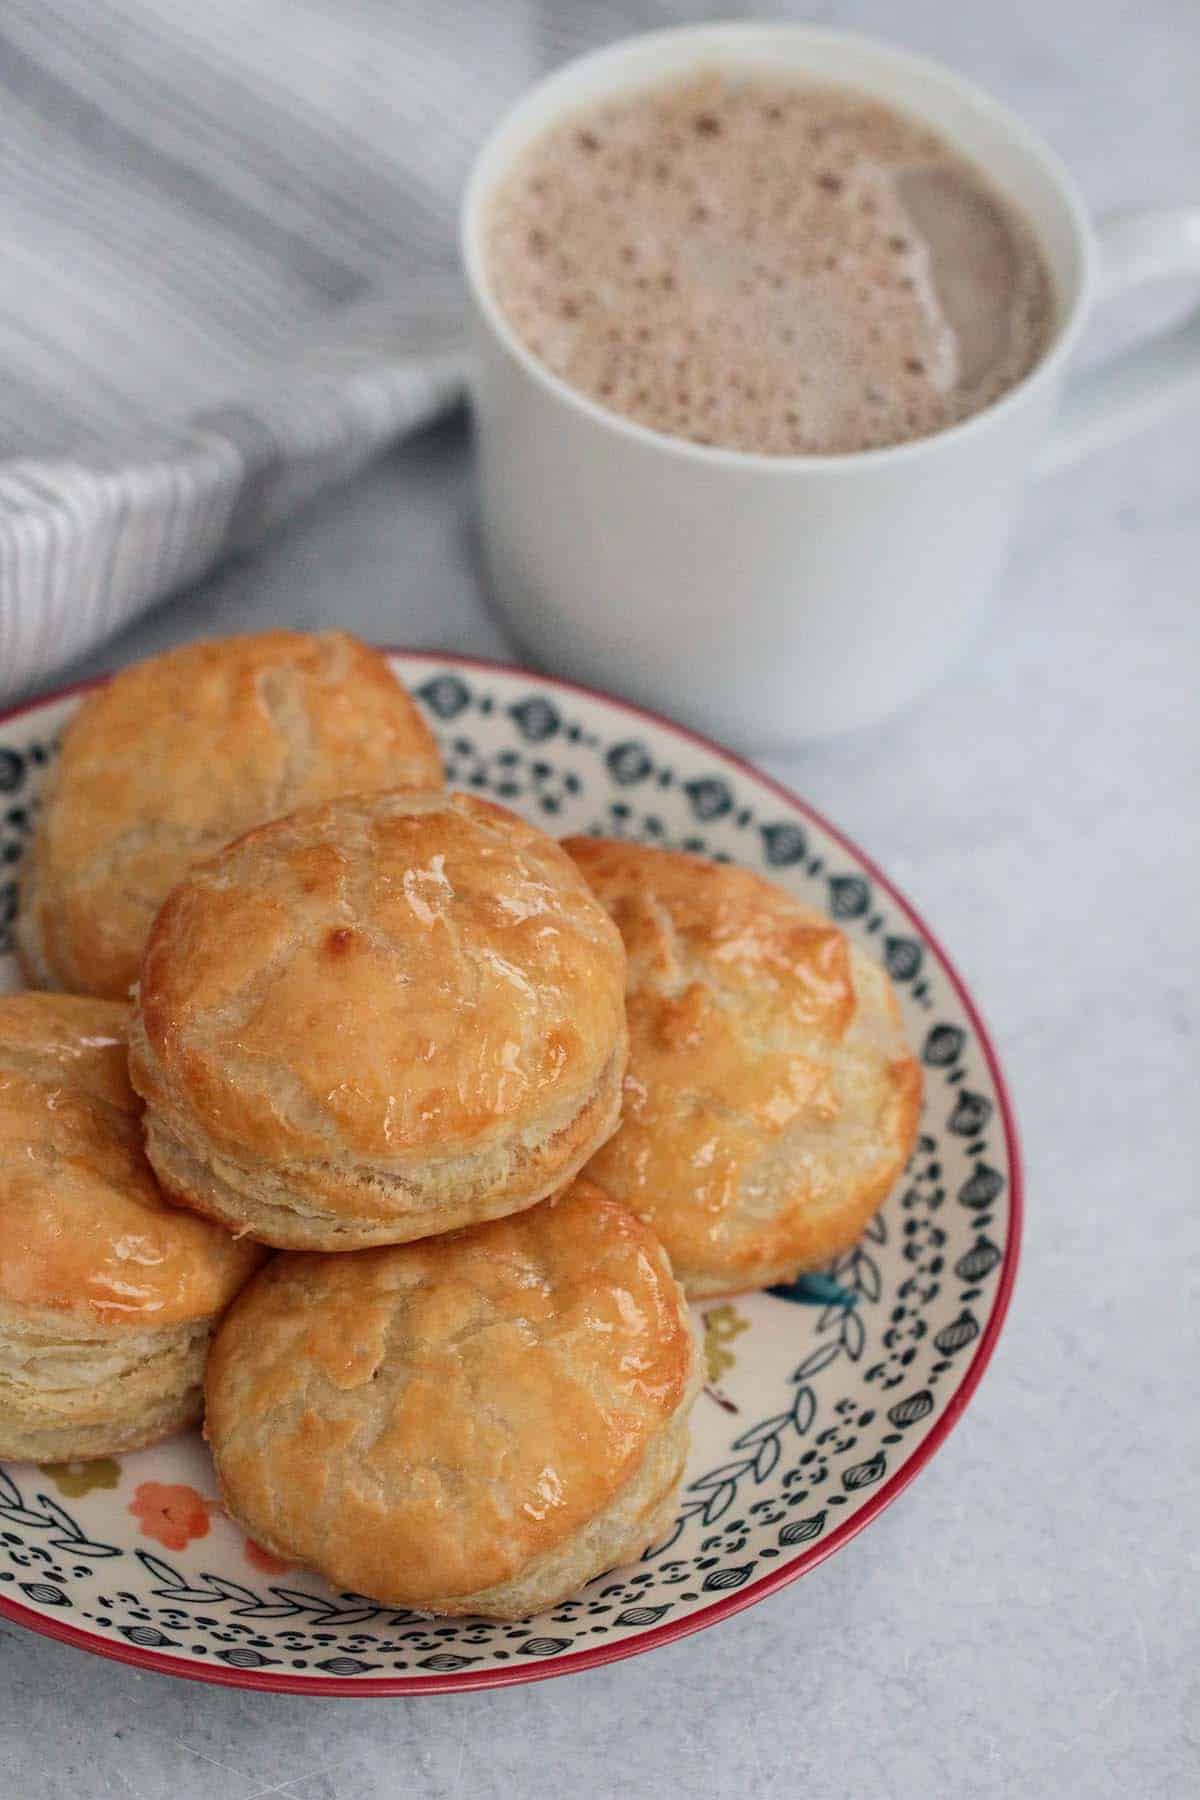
(1154, 378)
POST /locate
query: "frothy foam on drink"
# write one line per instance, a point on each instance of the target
(767, 266)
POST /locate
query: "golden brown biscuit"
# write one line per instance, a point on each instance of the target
(379, 1019)
(771, 1099)
(108, 1295)
(172, 758)
(476, 1423)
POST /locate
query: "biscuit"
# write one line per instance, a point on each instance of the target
(108, 1295)
(173, 758)
(478, 1423)
(379, 1019)
(771, 1099)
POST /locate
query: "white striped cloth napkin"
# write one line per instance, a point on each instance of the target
(230, 277)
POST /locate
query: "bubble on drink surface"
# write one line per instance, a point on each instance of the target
(780, 235)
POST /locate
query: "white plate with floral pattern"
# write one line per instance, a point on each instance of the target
(823, 1400)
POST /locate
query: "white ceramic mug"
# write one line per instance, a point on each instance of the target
(773, 599)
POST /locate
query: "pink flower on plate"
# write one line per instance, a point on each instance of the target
(265, 1560)
(170, 1513)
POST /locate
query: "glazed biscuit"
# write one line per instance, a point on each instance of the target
(479, 1423)
(173, 758)
(771, 1099)
(108, 1295)
(379, 1019)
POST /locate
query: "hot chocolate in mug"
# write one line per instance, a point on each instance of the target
(772, 598)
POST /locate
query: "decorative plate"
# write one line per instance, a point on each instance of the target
(823, 1398)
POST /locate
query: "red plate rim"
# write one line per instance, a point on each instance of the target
(577, 1662)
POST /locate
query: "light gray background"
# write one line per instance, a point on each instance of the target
(1023, 1621)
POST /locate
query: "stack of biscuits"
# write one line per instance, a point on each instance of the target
(417, 1134)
